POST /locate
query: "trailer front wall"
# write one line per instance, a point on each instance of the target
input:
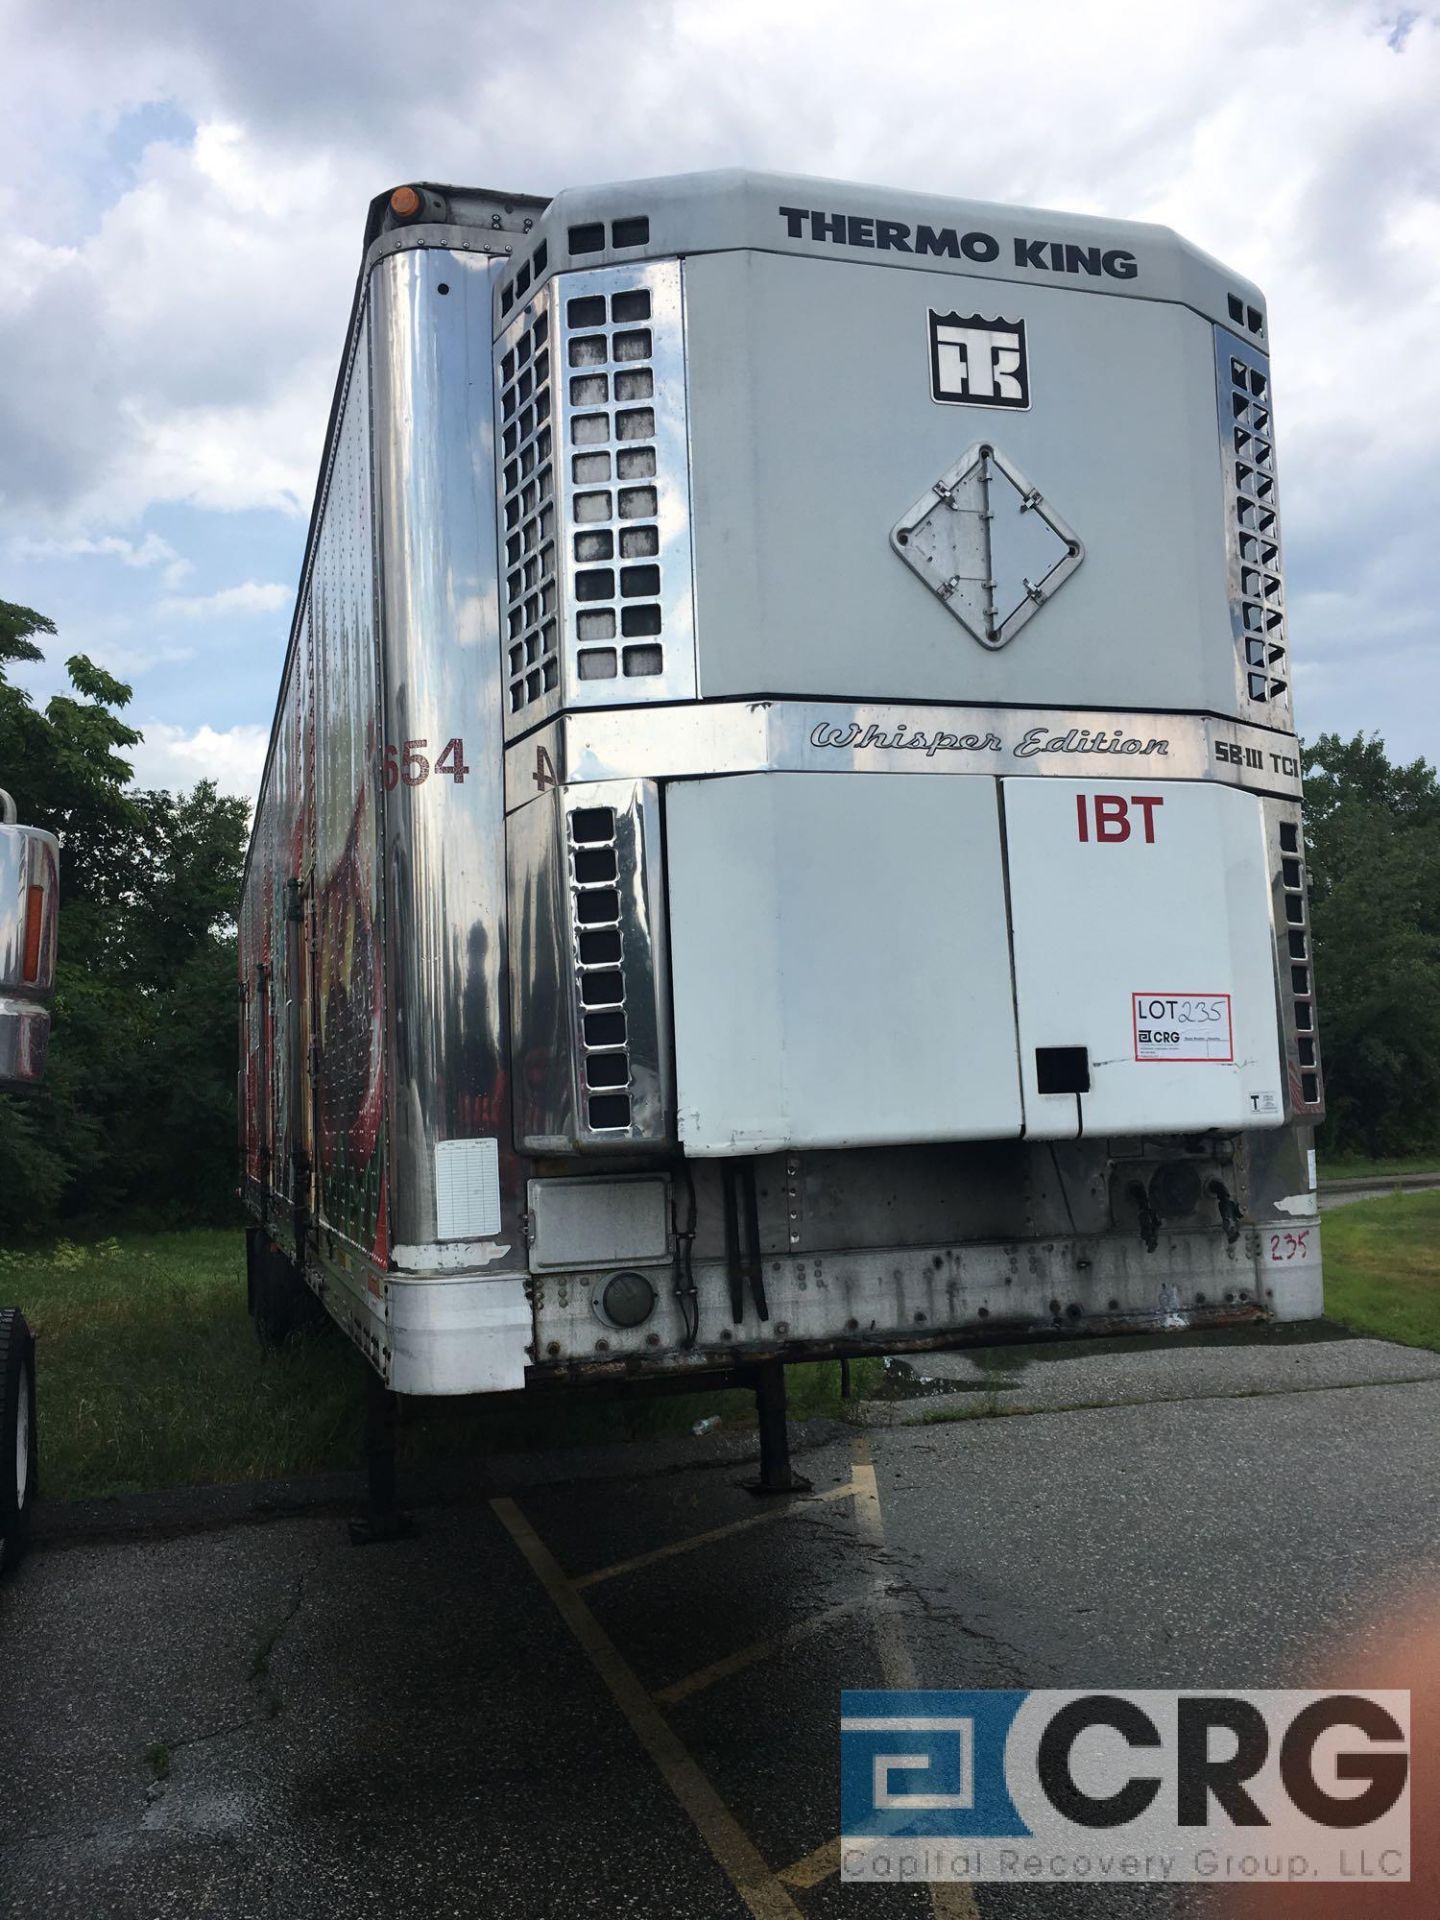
(376, 1093)
(457, 1192)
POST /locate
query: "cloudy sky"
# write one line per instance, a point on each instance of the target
(184, 185)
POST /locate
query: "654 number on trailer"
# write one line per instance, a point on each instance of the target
(409, 763)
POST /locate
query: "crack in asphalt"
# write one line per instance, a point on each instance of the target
(267, 1695)
(895, 1582)
(270, 1640)
(112, 1829)
(213, 1733)
(1008, 1658)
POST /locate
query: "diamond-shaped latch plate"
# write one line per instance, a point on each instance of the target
(989, 545)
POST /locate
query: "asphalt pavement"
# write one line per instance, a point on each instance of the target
(610, 1685)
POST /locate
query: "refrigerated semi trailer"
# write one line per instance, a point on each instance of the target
(781, 835)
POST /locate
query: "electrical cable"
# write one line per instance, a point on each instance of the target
(685, 1291)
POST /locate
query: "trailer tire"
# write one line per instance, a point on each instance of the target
(280, 1302)
(19, 1457)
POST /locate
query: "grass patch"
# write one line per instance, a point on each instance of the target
(1382, 1267)
(149, 1376)
(1354, 1167)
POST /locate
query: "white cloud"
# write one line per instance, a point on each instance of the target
(185, 349)
(250, 597)
(171, 756)
(152, 551)
(198, 323)
(179, 343)
(128, 663)
(185, 346)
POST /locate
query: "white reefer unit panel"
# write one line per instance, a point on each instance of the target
(815, 430)
(839, 962)
(1144, 957)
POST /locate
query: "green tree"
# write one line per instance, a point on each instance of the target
(1373, 846)
(138, 1109)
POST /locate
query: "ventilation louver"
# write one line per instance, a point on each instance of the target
(527, 514)
(614, 499)
(1256, 585)
(1297, 973)
(595, 494)
(600, 969)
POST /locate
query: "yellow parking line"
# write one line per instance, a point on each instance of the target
(814, 1868)
(951, 1900)
(776, 1510)
(732, 1848)
(758, 1650)
(896, 1665)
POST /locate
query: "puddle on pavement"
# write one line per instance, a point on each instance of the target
(1002, 1368)
(906, 1380)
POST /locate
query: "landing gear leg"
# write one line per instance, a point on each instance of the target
(382, 1519)
(776, 1473)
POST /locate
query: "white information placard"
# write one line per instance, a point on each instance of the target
(1182, 1026)
(467, 1189)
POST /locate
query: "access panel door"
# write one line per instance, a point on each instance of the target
(839, 960)
(1144, 957)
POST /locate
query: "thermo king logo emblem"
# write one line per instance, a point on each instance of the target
(976, 362)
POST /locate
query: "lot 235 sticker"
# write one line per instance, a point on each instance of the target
(1182, 1026)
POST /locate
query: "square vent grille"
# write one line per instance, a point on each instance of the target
(1297, 975)
(527, 515)
(594, 494)
(615, 501)
(1257, 603)
(600, 969)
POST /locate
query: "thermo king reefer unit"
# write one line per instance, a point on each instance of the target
(782, 832)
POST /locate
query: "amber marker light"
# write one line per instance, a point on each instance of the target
(34, 925)
(405, 203)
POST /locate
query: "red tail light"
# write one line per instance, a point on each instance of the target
(34, 926)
